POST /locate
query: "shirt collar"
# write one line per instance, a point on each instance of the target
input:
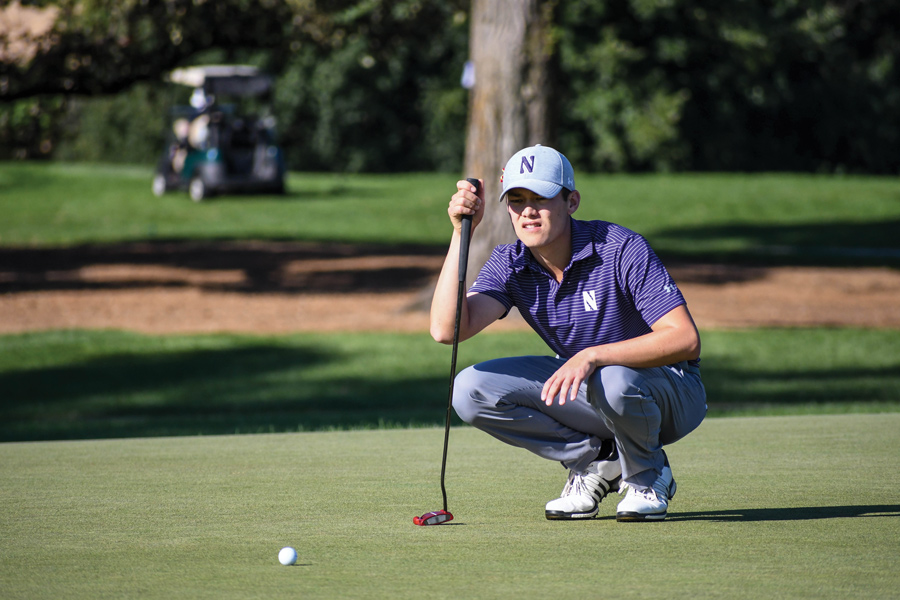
(582, 241)
(582, 247)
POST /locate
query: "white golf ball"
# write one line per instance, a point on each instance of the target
(287, 556)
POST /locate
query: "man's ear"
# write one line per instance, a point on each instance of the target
(574, 200)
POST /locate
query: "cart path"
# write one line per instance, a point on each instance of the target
(284, 287)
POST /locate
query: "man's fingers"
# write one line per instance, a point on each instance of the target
(467, 195)
(576, 385)
(549, 392)
(554, 389)
(560, 392)
(567, 390)
(460, 204)
(566, 383)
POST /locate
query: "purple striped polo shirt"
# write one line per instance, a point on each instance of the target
(614, 288)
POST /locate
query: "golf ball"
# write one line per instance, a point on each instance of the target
(287, 556)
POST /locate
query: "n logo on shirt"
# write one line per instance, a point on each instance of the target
(590, 301)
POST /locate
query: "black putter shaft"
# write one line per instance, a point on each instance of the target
(463, 266)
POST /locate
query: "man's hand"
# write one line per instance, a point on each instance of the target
(674, 338)
(466, 202)
(566, 382)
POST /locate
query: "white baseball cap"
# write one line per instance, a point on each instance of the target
(540, 169)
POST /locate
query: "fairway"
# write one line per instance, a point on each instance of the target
(341, 444)
(769, 218)
(771, 507)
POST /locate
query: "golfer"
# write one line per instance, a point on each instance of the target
(625, 380)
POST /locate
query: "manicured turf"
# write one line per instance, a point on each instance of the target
(774, 218)
(776, 507)
(83, 384)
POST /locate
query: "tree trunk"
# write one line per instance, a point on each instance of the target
(511, 47)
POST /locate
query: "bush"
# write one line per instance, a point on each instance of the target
(126, 128)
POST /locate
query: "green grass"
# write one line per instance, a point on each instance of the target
(779, 218)
(64, 204)
(767, 217)
(779, 507)
(775, 507)
(82, 384)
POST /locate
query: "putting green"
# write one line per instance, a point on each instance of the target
(766, 507)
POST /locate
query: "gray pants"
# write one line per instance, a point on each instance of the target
(643, 409)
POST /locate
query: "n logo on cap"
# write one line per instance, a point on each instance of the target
(526, 165)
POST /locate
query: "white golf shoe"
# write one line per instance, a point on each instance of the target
(581, 497)
(651, 504)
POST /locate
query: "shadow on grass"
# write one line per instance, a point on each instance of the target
(731, 388)
(125, 385)
(790, 514)
(292, 267)
(808, 513)
(254, 388)
(274, 266)
(869, 243)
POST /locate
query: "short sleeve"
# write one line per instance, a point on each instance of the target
(494, 276)
(644, 278)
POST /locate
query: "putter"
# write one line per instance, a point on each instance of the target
(442, 516)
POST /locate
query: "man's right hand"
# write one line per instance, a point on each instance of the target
(466, 202)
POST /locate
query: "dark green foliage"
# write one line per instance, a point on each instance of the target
(380, 94)
(128, 127)
(104, 46)
(776, 85)
(362, 86)
(374, 85)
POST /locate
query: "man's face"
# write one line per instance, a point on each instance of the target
(540, 222)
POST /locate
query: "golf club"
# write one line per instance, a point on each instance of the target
(442, 516)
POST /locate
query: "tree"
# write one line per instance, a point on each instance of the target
(105, 46)
(511, 47)
(372, 85)
(52, 51)
(363, 85)
(731, 86)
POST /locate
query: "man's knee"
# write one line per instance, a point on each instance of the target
(468, 399)
(612, 389)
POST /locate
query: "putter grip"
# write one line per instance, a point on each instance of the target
(466, 236)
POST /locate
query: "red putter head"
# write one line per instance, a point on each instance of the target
(433, 518)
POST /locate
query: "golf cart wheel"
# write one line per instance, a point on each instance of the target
(159, 185)
(198, 189)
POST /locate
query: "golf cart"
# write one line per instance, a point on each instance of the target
(214, 147)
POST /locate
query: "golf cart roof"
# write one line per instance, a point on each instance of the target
(235, 80)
